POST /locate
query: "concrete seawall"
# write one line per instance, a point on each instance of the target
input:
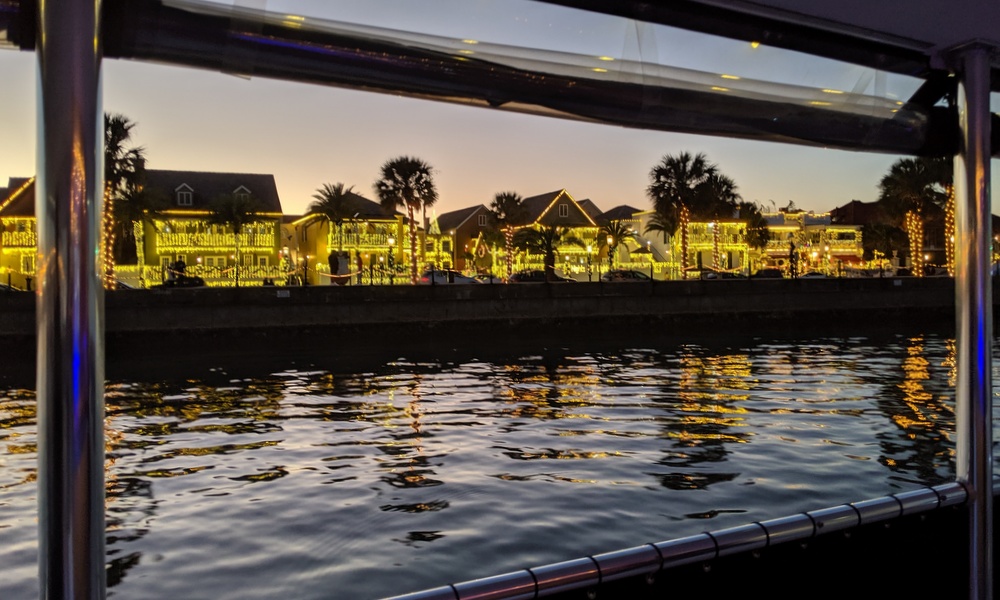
(467, 313)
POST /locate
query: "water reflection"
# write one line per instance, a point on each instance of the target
(444, 470)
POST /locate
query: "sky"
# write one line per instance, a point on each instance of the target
(308, 135)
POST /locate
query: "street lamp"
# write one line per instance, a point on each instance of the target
(392, 260)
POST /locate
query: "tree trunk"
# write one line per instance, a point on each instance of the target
(140, 251)
(684, 241)
(413, 245)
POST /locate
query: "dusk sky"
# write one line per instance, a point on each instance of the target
(307, 135)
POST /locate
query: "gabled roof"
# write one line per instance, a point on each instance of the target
(589, 207)
(206, 186)
(450, 221)
(19, 200)
(540, 210)
(618, 213)
(856, 212)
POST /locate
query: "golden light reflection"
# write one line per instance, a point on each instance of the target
(599, 70)
(605, 58)
(716, 88)
(725, 76)
(821, 103)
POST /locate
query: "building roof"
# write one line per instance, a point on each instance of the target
(451, 221)
(856, 212)
(206, 186)
(618, 213)
(539, 211)
(19, 198)
(589, 207)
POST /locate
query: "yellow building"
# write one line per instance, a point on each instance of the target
(369, 247)
(19, 240)
(182, 231)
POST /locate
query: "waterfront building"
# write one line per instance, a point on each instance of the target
(183, 231)
(457, 239)
(368, 246)
(560, 209)
(19, 239)
(817, 242)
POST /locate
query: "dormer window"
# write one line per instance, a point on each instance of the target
(564, 210)
(185, 197)
(242, 193)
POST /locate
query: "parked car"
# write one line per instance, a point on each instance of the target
(444, 277)
(184, 281)
(813, 275)
(488, 278)
(709, 273)
(625, 275)
(769, 273)
(538, 276)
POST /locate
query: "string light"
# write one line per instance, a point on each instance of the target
(949, 231)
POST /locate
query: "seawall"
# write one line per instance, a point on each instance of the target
(299, 317)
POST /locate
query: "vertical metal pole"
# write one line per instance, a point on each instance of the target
(974, 311)
(70, 302)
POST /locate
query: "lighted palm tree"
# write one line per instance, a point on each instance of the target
(137, 207)
(674, 185)
(612, 234)
(124, 171)
(235, 211)
(715, 198)
(507, 211)
(545, 240)
(908, 190)
(334, 202)
(407, 182)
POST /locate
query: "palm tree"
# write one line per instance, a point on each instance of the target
(673, 188)
(908, 190)
(334, 202)
(408, 182)
(235, 211)
(757, 234)
(666, 224)
(124, 172)
(715, 198)
(612, 234)
(545, 240)
(506, 211)
(133, 210)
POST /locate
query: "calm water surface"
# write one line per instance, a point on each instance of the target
(311, 480)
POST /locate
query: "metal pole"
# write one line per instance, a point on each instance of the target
(974, 320)
(70, 302)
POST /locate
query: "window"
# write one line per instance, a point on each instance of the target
(184, 198)
(242, 193)
(564, 210)
(27, 263)
(446, 246)
(262, 261)
(482, 220)
(215, 261)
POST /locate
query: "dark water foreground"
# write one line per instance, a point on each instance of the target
(332, 475)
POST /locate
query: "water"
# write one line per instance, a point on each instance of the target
(318, 479)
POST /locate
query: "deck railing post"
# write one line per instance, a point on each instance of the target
(974, 310)
(70, 302)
